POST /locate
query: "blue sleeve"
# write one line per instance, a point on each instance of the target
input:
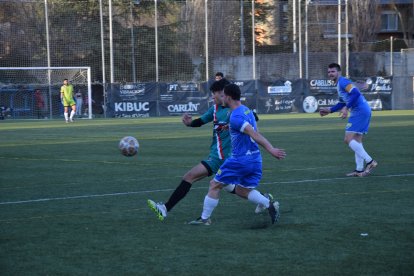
(349, 87)
(353, 97)
(237, 122)
(337, 107)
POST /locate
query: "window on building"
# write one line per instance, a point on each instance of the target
(389, 21)
(329, 24)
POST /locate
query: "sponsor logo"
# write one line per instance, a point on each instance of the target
(381, 85)
(134, 115)
(321, 85)
(166, 98)
(375, 104)
(310, 104)
(325, 102)
(190, 107)
(286, 88)
(239, 83)
(284, 104)
(130, 106)
(131, 89)
(183, 87)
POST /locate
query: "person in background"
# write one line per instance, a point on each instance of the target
(39, 103)
(218, 76)
(79, 102)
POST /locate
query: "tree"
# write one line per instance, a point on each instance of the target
(406, 20)
(364, 25)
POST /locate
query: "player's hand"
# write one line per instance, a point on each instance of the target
(323, 111)
(344, 112)
(278, 153)
(187, 118)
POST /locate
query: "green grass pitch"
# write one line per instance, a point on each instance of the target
(71, 204)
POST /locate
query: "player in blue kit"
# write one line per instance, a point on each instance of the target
(219, 150)
(244, 167)
(351, 100)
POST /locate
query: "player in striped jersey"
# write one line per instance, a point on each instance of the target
(220, 149)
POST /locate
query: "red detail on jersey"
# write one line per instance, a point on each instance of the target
(219, 142)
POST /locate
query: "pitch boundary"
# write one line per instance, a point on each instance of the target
(167, 190)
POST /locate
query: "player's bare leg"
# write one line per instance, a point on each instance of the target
(72, 113)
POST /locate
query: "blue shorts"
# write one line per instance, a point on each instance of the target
(359, 121)
(244, 172)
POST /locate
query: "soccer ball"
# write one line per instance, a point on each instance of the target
(128, 146)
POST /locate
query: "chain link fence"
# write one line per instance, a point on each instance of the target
(131, 41)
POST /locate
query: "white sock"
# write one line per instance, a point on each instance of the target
(66, 115)
(229, 188)
(359, 163)
(208, 207)
(72, 113)
(358, 148)
(256, 197)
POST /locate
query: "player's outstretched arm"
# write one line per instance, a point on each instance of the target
(261, 140)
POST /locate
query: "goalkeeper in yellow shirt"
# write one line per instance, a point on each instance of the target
(66, 96)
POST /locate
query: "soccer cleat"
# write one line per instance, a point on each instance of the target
(370, 166)
(159, 209)
(357, 174)
(200, 221)
(261, 208)
(67, 121)
(71, 120)
(274, 211)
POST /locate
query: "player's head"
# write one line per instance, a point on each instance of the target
(334, 65)
(233, 91)
(65, 81)
(218, 76)
(217, 90)
(219, 85)
(334, 71)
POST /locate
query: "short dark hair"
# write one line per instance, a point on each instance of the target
(219, 74)
(65, 79)
(233, 91)
(219, 85)
(335, 65)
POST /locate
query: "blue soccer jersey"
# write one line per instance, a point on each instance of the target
(350, 96)
(244, 167)
(242, 145)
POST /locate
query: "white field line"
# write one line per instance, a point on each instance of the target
(168, 190)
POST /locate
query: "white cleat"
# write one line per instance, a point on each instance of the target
(370, 166)
(261, 208)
